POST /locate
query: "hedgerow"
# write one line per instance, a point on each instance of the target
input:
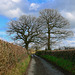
(65, 54)
(10, 55)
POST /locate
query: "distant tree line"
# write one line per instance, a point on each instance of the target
(65, 48)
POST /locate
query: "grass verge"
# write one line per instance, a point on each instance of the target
(20, 67)
(65, 64)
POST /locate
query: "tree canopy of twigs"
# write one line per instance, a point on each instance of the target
(45, 30)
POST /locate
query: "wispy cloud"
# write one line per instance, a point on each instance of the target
(3, 33)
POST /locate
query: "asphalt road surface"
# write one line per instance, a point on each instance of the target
(39, 66)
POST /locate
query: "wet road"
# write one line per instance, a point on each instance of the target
(39, 66)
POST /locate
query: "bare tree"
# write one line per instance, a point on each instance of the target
(36, 46)
(26, 29)
(48, 28)
(54, 27)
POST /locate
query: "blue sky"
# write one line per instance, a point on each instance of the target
(37, 1)
(10, 9)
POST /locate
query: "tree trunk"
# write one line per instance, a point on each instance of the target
(26, 46)
(49, 38)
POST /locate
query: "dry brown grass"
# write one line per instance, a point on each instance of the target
(9, 55)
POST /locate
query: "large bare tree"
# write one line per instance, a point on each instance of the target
(48, 28)
(25, 29)
(54, 27)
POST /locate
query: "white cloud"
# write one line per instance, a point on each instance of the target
(14, 13)
(3, 33)
(69, 41)
(6, 5)
(10, 8)
(1, 38)
(16, 0)
(34, 6)
(68, 15)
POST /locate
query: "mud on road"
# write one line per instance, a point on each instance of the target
(39, 66)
